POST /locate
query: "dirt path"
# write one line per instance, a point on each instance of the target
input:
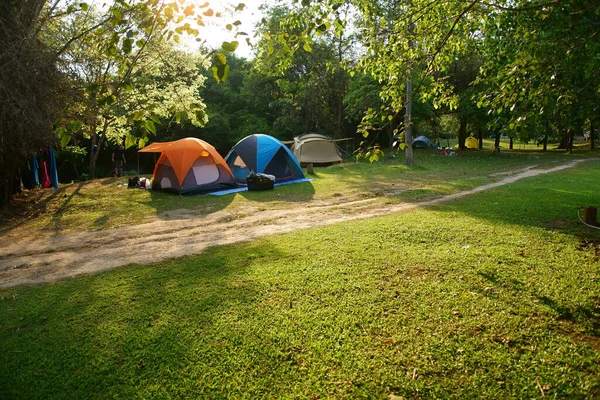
(35, 260)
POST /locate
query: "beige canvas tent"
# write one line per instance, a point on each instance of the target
(316, 149)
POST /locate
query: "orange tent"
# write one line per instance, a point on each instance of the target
(189, 165)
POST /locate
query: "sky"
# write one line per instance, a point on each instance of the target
(216, 33)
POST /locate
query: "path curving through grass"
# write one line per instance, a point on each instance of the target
(49, 258)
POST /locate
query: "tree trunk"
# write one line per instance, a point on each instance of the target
(591, 134)
(462, 133)
(570, 139)
(564, 139)
(497, 142)
(408, 150)
(545, 143)
(510, 146)
(97, 142)
(480, 134)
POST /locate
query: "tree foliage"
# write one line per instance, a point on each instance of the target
(537, 57)
(32, 92)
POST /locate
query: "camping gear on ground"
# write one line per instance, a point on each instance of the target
(138, 183)
(316, 149)
(421, 142)
(257, 182)
(263, 154)
(133, 182)
(471, 143)
(189, 165)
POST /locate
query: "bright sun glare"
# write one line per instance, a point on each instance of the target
(215, 32)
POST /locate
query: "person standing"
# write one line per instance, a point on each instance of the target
(118, 158)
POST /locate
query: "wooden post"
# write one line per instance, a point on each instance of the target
(589, 215)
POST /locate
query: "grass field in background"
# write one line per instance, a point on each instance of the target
(107, 203)
(493, 296)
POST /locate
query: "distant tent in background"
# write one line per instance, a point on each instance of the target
(189, 165)
(471, 143)
(315, 148)
(421, 142)
(263, 154)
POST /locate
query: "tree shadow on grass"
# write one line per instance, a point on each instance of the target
(170, 206)
(34, 203)
(549, 201)
(295, 192)
(127, 332)
(57, 215)
(546, 207)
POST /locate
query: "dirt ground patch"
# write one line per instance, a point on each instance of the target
(45, 257)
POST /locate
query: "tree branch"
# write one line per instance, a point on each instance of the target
(525, 8)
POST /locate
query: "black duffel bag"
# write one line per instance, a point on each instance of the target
(260, 181)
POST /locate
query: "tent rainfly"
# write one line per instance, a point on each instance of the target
(421, 142)
(315, 148)
(471, 143)
(189, 165)
(263, 154)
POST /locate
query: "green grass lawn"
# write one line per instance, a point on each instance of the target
(493, 296)
(103, 204)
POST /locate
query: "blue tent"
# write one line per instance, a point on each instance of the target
(263, 154)
(421, 142)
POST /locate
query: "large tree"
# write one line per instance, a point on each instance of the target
(539, 53)
(310, 90)
(31, 89)
(49, 49)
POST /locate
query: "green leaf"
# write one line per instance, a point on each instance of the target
(307, 47)
(84, 6)
(127, 85)
(110, 100)
(220, 59)
(230, 46)
(63, 136)
(155, 118)
(149, 124)
(116, 13)
(179, 116)
(240, 7)
(127, 46)
(220, 73)
(169, 12)
(130, 141)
